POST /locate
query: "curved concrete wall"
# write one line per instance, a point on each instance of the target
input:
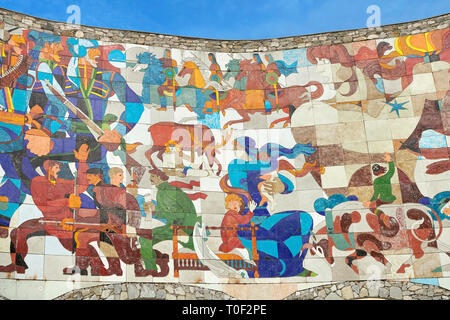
(305, 167)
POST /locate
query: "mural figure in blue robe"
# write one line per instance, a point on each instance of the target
(279, 236)
(90, 88)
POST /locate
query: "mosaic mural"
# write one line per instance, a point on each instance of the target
(123, 162)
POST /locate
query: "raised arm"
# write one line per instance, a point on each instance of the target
(81, 155)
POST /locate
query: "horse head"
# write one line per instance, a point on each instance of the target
(191, 67)
(232, 69)
(187, 69)
(142, 62)
(148, 63)
(245, 66)
(143, 58)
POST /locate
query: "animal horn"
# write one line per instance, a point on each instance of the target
(308, 246)
(421, 221)
(319, 89)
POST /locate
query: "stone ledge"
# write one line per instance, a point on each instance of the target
(391, 290)
(16, 19)
(136, 291)
(348, 290)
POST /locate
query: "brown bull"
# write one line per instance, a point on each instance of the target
(188, 137)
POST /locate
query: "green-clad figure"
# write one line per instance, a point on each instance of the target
(382, 188)
(174, 207)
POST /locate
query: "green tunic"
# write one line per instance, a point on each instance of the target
(382, 188)
(175, 206)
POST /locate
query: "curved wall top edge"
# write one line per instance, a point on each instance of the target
(21, 20)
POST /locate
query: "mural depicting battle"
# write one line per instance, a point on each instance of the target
(123, 162)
